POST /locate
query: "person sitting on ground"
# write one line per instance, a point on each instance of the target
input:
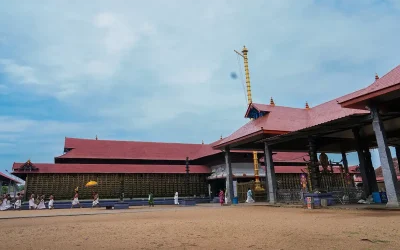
(96, 201)
(32, 204)
(51, 202)
(41, 203)
(6, 204)
(75, 200)
(18, 202)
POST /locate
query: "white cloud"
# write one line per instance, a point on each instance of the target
(165, 65)
(23, 74)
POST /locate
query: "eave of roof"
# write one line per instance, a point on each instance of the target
(283, 120)
(9, 178)
(66, 168)
(386, 84)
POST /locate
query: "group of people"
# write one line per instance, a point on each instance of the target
(95, 202)
(37, 202)
(7, 202)
(222, 198)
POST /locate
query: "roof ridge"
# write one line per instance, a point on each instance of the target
(158, 142)
(275, 106)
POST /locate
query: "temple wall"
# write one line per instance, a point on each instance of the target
(112, 185)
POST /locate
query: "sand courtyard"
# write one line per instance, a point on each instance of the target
(201, 227)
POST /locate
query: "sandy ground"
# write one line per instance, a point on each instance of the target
(203, 227)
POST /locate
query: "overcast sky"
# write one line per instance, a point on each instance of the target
(160, 70)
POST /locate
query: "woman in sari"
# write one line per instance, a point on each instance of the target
(6, 204)
(32, 204)
(41, 203)
(221, 197)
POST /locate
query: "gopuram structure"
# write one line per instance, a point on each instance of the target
(365, 119)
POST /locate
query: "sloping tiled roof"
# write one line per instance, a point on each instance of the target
(111, 168)
(281, 120)
(104, 149)
(108, 149)
(378, 171)
(390, 79)
(6, 179)
(288, 157)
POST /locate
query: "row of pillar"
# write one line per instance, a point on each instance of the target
(366, 168)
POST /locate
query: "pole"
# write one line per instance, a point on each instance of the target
(249, 101)
(187, 175)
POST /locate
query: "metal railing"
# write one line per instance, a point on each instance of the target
(340, 195)
(289, 196)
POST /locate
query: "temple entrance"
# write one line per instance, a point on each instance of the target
(216, 185)
(243, 187)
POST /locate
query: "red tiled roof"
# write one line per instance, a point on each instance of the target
(5, 178)
(104, 149)
(378, 171)
(108, 149)
(288, 157)
(285, 119)
(111, 168)
(390, 79)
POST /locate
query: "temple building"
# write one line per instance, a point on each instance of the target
(365, 119)
(137, 168)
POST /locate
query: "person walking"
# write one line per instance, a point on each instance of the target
(151, 200)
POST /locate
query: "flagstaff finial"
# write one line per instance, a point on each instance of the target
(271, 102)
(376, 76)
(307, 107)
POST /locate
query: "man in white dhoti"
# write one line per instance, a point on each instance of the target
(32, 204)
(249, 196)
(51, 202)
(41, 203)
(176, 201)
(95, 200)
(18, 202)
(75, 200)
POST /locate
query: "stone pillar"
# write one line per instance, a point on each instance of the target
(361, 159)
(373, 185)
(270, 174)
(229, 177)
(315, 174)
(346, 169)
(389, 174)
(345, 162)
(398, 156)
